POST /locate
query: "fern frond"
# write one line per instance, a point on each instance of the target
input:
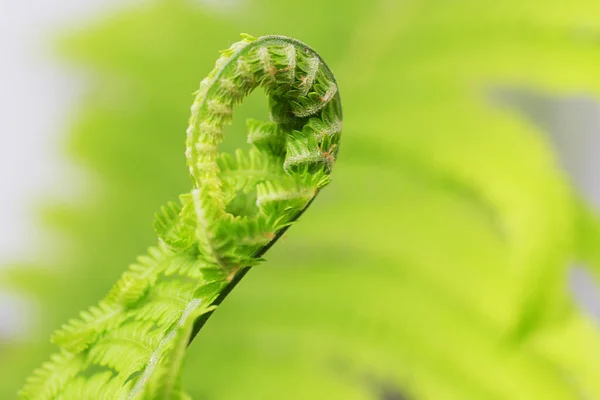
(273, 198)
(101, 386)
(132, 344)
(77, 334)
(186, 265)
(140, 276)
(168, 301)
(266, 136)
(304, 154)
(243, 171)
(127, 349)
(173, 344)
(209, 244)
(172, 228)
(50, 379)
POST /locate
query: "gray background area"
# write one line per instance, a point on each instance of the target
(37, 92)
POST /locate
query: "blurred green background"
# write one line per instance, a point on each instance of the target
(436, 264)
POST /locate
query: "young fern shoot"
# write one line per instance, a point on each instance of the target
(131, 345)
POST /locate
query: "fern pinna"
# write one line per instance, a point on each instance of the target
(131, 345)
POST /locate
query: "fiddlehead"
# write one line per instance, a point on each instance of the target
(131, 345)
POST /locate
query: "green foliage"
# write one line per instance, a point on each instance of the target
(131, 345)
(436, 264)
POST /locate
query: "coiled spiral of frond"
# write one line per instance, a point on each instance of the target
(292, 154)
(131, 345)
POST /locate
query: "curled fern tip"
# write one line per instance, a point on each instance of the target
(131, 345)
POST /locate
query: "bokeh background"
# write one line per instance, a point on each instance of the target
(454, 256)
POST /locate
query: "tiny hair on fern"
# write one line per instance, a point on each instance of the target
(131, 344)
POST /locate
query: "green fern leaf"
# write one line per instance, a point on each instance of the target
(132, 345)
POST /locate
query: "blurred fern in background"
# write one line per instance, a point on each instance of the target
(434, 268)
